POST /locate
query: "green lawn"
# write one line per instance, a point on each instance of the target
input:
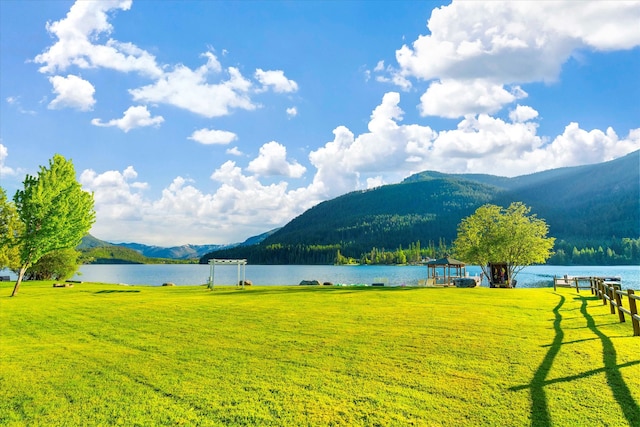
(99, 354)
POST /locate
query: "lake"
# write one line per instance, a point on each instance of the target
(265, 275)
(195, 274)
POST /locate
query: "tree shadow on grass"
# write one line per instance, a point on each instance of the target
(113, 291)
(293, 289)
(616, 383)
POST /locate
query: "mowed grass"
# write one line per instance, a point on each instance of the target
(99, 354)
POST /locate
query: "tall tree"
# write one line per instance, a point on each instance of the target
(55, 211)
(10, 229)
(497, 235)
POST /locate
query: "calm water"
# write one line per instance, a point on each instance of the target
(193, 274)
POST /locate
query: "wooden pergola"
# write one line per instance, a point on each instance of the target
(442, 271)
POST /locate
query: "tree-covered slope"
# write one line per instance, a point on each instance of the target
(592, 201)
(581, 204)
(112, 255)
(96, 251)
(587, 202)
(387, 216)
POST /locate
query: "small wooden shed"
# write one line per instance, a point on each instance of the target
(499, 276)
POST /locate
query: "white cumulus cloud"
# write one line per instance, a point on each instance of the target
(83, 41)
(213, 136)
(234, 151)
(79, 35)
(4, 169)
(72, 92)
(512, 42)
(479, 144)
(272, 161)
(476, 50)
(190, 90)
(117, 197)
(457, 98)
(134, 117)
(292, 112)
(522, 113)
(276, 80)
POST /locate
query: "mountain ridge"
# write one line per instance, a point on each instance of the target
(580, 204)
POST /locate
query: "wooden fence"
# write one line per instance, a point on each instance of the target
(607, 291)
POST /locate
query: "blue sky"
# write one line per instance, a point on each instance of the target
(210, 122)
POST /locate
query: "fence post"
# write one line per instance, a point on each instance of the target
(619, 304)
(604, 291)
(575, 279)
(554, 283)
(612, 301)
(634, 312)
(592, 285)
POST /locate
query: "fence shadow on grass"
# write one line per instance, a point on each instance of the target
(619, 388)
(540, 416)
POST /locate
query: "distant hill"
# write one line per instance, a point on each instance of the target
(592, 203)
(183, 252)
(90, 242)
(113, 255)
(102, 252)
(96, 251)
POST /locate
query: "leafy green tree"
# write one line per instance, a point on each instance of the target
(56, 265)
(10, 228)
(55, 212)
(512, 235)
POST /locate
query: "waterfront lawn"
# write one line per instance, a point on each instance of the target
(99, 354)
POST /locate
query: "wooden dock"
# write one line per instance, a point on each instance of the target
(581, 282)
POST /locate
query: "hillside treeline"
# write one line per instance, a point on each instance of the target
(624, 251)
(331, 254)
(279, 254)
(617, 252)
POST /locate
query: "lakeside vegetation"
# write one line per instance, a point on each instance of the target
(624, 251)
(100, 354)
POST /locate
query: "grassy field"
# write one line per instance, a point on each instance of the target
(99, 354)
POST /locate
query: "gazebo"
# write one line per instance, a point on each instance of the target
(442, 272)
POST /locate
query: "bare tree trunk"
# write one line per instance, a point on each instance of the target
(23, 269)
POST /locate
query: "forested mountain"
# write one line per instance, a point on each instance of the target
(587, 205)
(96, 251)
